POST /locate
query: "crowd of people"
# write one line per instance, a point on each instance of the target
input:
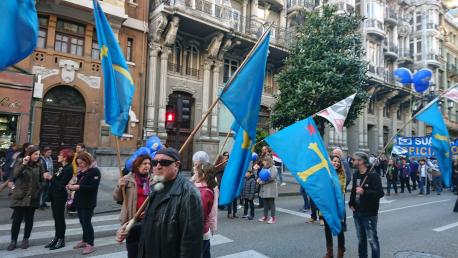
(181, 214)
(33, 180)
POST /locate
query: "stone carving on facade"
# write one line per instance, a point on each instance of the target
(91, 81)
(158, 26)
(44, 72)
(172, 31)
(69, 68)
(214, 46)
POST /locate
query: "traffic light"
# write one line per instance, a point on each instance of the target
(170, 116)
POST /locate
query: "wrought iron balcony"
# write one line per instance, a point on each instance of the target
(375, 27)
(299, 4)
(391, 51)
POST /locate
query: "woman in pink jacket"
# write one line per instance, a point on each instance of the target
(206, 183)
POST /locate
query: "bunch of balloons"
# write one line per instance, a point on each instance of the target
(264, 174)
(421, 79)
(153, 144)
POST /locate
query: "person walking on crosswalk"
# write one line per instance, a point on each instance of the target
(58, 196)
(136, 186)
(85, 199)
(28, 177)
(173, 224)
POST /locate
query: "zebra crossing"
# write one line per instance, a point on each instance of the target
(105, 227)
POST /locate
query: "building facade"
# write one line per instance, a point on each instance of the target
(68, 107)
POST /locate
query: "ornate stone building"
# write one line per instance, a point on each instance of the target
(67, 70)
(194, 47)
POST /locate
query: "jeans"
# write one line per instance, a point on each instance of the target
(206, 249)
(306, 199)
(314, 209)
(85, 217)
(232, 208)
(44, 194)
(279, 175)
(269, 204)
(414, 179)
(437, 182)
(58, 214)
(390, 183)
(405, 181)
(133, 239)
(425, 182)
(328, 235)
(366, 230)
(20, 213)
(245, 209)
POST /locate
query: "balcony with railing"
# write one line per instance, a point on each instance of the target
(389, 77)
(293, 5)
(375, 28)
(405, 55)
(174, 68)
(391, 51)
(433, 59)
(278, 34)
(391, 16)
(219, 14)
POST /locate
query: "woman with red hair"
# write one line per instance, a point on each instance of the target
(58, 196)
(136, 185)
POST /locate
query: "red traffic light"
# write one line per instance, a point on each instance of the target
(170, 116)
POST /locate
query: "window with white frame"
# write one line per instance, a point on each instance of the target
(192, 61)
(374, 10)
(230, 66)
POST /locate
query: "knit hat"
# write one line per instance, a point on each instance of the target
(171, 152)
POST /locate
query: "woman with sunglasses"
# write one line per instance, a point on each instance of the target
(58, 196)
(337, 164)
(136, 186)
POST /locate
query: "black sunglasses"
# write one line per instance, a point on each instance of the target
(162, 162)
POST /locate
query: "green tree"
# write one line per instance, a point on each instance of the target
(324, 66)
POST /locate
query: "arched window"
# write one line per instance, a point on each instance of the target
(192, 61)
(175, 63)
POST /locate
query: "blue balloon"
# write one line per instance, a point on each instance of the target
(154, 143)
(264, 175)
(421, 79)
(254, 156)
(403, 75)
(130, 162)
(142, 151)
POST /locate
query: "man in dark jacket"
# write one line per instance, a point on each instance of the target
(173, 224)
(364, 202)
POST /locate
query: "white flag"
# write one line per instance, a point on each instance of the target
(337, 113)
(452, 94)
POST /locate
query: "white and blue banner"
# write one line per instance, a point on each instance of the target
(418, 146)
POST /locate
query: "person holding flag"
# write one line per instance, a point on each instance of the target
(364, 202)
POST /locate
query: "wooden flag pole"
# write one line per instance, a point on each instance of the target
(201, 122)
(118, 156)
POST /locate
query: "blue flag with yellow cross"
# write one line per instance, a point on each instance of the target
(243, 99)
(440, 139)
(118, 83)
(302, 150)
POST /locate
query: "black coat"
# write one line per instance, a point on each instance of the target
(369, 201)
(86, 196)
(175, 228)
(60, 179)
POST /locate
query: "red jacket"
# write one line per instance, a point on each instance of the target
(207, 196)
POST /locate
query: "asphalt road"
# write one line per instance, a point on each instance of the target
(406, 223)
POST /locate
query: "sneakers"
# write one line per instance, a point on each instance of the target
(88, 249)
(283, 184)
(239, 207)
(272, 220)
(250, 218)
(12, 246)
(262, 219)
(25, 244)
(321, 222)
(244, 216)
(80, 244)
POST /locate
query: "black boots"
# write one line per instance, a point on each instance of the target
(52, 243)
(12, 246)
(60, 243)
